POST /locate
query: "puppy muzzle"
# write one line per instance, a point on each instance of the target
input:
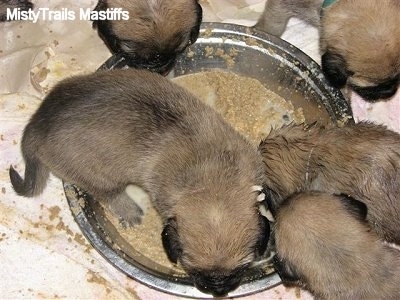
(382, 91)
(217, 285)
(161, 66)
(121, 61)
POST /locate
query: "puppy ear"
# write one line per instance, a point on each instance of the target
(105, 29)
(286, 271)
(358, 209)
(335, 69)
(101, 5)
(273, 200)
(194, 34)
(170, 240)
(263, 238)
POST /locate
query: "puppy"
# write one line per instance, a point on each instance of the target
(12, 4)
(360, 46)
(361, 160)
(109, 129)
(324, 245)
(156, 32)
(359, 40)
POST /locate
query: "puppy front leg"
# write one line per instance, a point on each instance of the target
(124, 207)
(286, 272)
(274, 18)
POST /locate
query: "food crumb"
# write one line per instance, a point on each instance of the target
(54, 212)
(297, 292)
(149, 235)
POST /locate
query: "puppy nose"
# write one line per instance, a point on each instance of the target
(384, 90)
(163, 67)
(220, 292)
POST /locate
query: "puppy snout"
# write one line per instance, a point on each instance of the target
(218, 286)
(163, 66)
(381, 91)
(217, 291)
(221, 291)
(159, 64)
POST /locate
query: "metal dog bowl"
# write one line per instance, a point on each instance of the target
(282, 68)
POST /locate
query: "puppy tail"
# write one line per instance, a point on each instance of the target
(36, 175)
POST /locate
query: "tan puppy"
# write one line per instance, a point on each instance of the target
(359, 40)
(324, 245)
(361, 160)
(360, 45)
(109, 129)
(155, 33)
(12, 4)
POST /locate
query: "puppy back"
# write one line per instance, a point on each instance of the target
(333, 250)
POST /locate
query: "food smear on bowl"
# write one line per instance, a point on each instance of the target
(146, 237)
(244, 102)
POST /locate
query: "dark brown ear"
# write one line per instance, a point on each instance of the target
(100, 6)
(272, 200)
(170, 240)
(194, 34)
(105, 29)
(384, 90)
(263, 238)
(286, 271)
(357, 208)
(334, 68)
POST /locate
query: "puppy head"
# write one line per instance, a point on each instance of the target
(156, 32)
(360, 45)
(323, 243)
(215, 243)
(288, 155)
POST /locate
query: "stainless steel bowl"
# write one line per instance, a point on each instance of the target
(282, 68)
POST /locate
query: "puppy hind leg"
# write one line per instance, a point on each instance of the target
(125, 208)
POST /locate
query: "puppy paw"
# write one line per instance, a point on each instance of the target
(128, 212)
(130, 221)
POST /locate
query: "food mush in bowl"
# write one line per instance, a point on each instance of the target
(257, 82)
